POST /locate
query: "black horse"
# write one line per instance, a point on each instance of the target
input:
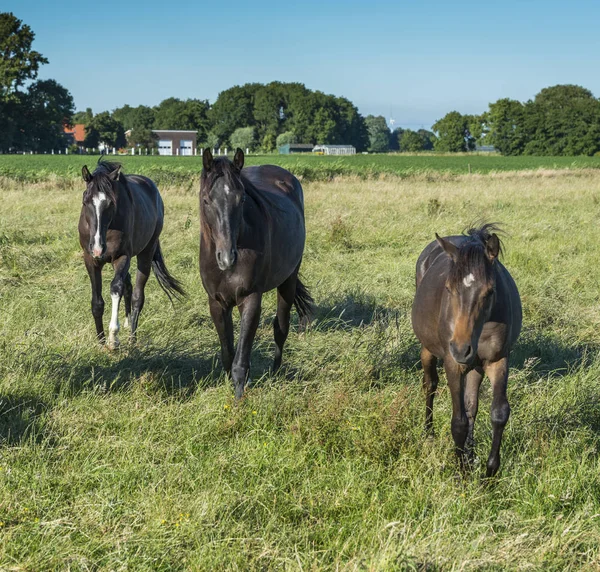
(122, 216)
(251, 241)
(467, 311)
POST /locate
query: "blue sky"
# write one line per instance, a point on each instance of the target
(415, 59)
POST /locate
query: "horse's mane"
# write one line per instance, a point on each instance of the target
(101, 182)
(472, 258)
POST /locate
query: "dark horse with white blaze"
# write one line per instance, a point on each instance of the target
(467, 311)
(251, 241)
(121, 217)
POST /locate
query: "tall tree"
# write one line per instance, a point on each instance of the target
(48, 107)
(233, 109)
(454, 133)
(505, 126)
(18, 62)
(379, 134)
(174, 113)
(104, 129)
(563, 120)
(83, 117)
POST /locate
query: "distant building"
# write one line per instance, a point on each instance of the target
(334, 150)
(485, 148)
(75, 134)
(174, 141)
(292, 148)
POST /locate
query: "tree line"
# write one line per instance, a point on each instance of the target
(560, 120)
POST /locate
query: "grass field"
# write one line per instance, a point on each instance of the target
(141, 459)
(182, 170)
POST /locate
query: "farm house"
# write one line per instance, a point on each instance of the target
(174, 141)
(334, 150)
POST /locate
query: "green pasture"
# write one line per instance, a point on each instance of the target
(180, 170)
(141, 460)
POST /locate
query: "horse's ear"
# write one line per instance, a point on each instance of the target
(450, 249)
(85, 173)
(207, 160)
(492, 247)
(114, 176)
(238, 159)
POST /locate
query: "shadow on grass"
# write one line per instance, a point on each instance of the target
(21, 418)
(352, 311)
(545, 354)
(171, 371)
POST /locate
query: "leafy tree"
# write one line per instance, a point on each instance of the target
(505, 126)
(83, 117)
(379, 134)
(562, 120)
(174, 113)
(244, 138)
(48, 107)
(18, 62)
(142, 137)
(454, 132)
(412, 141)
(286, 138)
(395, 136)
(104, 129)
(212, 140)
(232, 109)
(428, 139)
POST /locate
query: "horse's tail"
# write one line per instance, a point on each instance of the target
(168, 283)
(304, 303)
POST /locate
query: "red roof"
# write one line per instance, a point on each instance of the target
(78, 132)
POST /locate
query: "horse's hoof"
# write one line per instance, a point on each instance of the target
(113, 345)
(126, 322)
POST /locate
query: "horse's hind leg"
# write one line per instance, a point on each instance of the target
(144, 265)
(498, 374)
(127, 297)
(472, 384)
(281, 324)
(117, 288)
(95, 273)
(430, 383)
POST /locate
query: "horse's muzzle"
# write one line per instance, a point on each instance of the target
(226, 259)
(463, 354)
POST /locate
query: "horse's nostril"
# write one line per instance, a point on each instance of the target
(468, 351)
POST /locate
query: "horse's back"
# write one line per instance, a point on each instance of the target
(275, 182)
(148, 208)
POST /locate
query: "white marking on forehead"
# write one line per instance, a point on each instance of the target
(468, 280)
(98, 200)
(226, 188)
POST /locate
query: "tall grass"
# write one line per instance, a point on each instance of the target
(141, 460)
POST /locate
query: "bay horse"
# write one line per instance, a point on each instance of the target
(252, 237)
(467, 312)
(121, 217)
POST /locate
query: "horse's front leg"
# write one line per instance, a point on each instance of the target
(117, 288)
(250, 316)
(95, 273)
(460, 422)
(221, 317)
(498, 374)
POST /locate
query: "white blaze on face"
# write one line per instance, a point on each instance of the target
(113, 328)
(468, 280)
(98, 201)
(226, 188)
